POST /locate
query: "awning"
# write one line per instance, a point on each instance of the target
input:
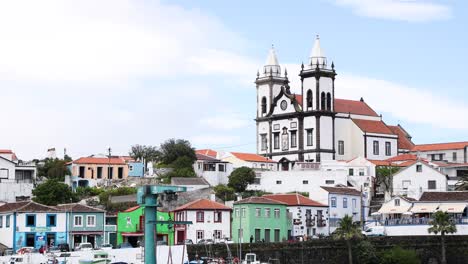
(389, 208)
(419, 208)
(132, 234)
(452, 207)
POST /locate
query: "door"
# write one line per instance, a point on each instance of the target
(257, 235)
(92, 239)
(30, 237)
(267, 235)
(76, 240)
(180, 236)
(50, 239)
(277, 235)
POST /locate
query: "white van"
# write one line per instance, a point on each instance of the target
(374, 230)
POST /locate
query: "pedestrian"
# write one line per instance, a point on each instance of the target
(251, 239)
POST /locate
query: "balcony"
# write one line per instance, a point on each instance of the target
(306, 166)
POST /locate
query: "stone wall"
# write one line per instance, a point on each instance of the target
(332, 251)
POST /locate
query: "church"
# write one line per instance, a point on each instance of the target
(314, 126)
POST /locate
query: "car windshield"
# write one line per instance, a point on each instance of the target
(86, 246)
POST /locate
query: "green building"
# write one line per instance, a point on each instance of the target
(130, 227)
(262, 219)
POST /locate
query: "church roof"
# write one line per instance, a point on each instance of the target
(353, 107)
(272, 59)
(298, 98)
(372, 126)
(403, 138)
(251, 157)
(440, 146)
(317, 51)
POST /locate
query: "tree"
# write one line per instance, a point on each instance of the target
(224, 192)
(53, 169)
(172, 149)
(397, 255)
(441, 224)
(366, 253)
(240, 178)
(144, 153)
(384, 176)
(53, 192)
(346, 231)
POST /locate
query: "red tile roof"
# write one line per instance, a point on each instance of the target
(341, 190)
(96, 160)
(371, 126)
(206, 157)
(444, 196)
(294, 199)
(202, 204)
(207, 152)
(131, 209)
(27, 207)
(298, 98)
(259, 200)
(403, 157)
(403, 141)
(251, 157)
(6, 151)
(440, 146)
(353, 107)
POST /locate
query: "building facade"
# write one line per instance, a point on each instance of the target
(260, 219)
(210, 220)
(16, 177)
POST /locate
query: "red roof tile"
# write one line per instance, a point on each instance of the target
(259, 200)
(251, 157)
(403, 141)
(353, 107)
(371, 126)
(96, 160)
(298, 98)
(6, 151)
(403, 157)
(131, 209)
(440, 146)
(294, 199)
(202, 204)
(207, 152)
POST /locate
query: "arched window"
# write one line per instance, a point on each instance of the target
(328, 101)
(264, 105)
(323, 101)
(309, 98)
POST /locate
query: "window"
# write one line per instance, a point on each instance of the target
(340, 147)
(110, 172)
(328, 102)
(310, 137)
(7, 221)
(200, 217)
(99, 172)
(209, 167)
(51, 220)
(354, 203)
(418, 168)
(120, 172)
(221, 167)
(397, 202)
(200, 234)
(258, 212)
(243, 212)
(236, 212)
(305, 182)
(431, 185)
(309, 98)
(351, 172)
(276, 140)
(388, 149)
(130, 167)
(329, 182)
(333, 202)
(376, 147)
(293, 139)
(322, 100)
(30, 220)
(78, 220)
(218, 217)
(263, 142)
(277, 213)
(406, 184)
(91, 220)
(279, 182)
(345, 202)
(454, 156)
(264, 105)
(293, 124)
(361, 172)
(217, 234)
(267, 212)
(256, 180)
(1, 221)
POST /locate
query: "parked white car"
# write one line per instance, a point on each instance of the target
(374, 230)
(84, 247)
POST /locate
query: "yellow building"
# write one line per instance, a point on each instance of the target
(100, 168)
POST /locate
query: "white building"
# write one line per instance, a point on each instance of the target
(454, 152)
(29, 224)
(341, 201)
(210, 220)
(213, 170)
(314, 125)
(309, 217)
(16, 178)
(418, 178)
(240, 159)
(191, 183)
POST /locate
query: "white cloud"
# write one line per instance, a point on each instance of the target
(213, 140)
(404, 10)
(225, 122)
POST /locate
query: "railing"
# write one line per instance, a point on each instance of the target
(420, 221)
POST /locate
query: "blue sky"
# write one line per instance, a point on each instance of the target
(85, 75)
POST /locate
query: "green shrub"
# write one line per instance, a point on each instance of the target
(365, 253)
(398, 255)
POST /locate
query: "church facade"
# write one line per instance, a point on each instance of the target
(314, 125)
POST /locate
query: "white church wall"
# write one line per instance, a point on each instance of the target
(277, 127)
(382, 141)
(310, 84)
(263, 91)
(263, 128)
(309, 123)
(326, 132)
(289, 106)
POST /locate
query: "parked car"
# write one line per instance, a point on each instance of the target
(106, 246)
(374, 231)
(64, 247)
(188, 242)
(53, 250)
(24, 250)
(84, 247)
(125, 245)
(225, 241)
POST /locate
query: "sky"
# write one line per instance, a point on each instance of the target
(86, 75)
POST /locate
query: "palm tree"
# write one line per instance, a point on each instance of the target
(348, 230)
(441, 224)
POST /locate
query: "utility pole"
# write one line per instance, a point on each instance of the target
(362, 210)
